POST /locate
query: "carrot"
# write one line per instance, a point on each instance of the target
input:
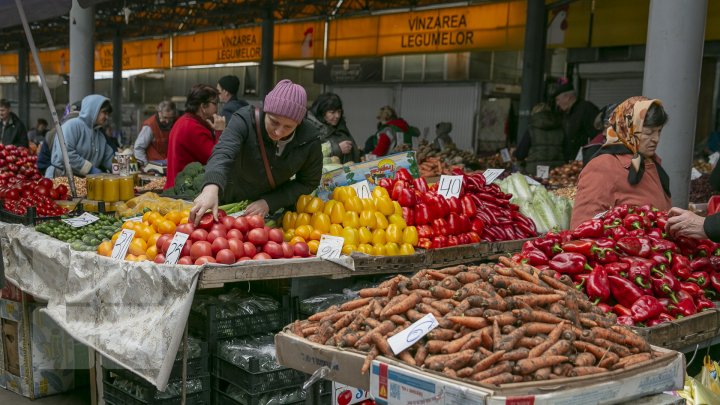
(525, 287)
(555, 284)
(427, 309)
(401, 307)
(536, 328)
(371, 322)
(529, 343)
(460, 360)
(383, 329)
(563, 369)
(393, 281)
(382, 344)
(355, 304)
(553, 337)
(413, 315)
(473, 343)
(469, 321)
(529, 315)
(496, 334)
(443, 306)
(528, 366)
(450, 372)
(441, 292)
(349, 339)
(542, 374)
(631, 339)
(344, 321)
(506, 318)
(517, 354)
(374, 292)
(588, 370)
(474, 312)
(421, 354)
(590, 348)
(438, 361)
(537, 300)
(466, 277)
(407, 357)
(453, 270)
(368, 360)
(441, 334)
(488, 361)
(451, 283)
(504, 367)
(504, 378)
(457, 344)
(376, 308)
(460, 308)
(632, 360)
(620, 350)
(601, 320)
(509, 341)
(503, 271)
(436, 274)
(297, 329)
(464, 372)
(398, 320)
(435, 346)
(315, 339)
(310, 330)
(320, 315)
(492, 303)
(487, 341)
(557, 309)
(584, 360)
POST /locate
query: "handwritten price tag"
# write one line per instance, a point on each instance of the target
(531, 181)
(695, 174)
(135, 219)
(330, 247)
(449, 186)
(600, 215)
(413, 333)
(492, 174)
(82, 220)
(713, 159)
(175, 248)
(505, 155)
(543, 172)
(579, 156)
(122, 244)
(362, 189)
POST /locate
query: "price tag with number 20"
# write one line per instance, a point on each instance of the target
(450, 186)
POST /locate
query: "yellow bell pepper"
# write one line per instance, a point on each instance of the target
(315, 205)
(397, 220)
(337, 214)
(410, 236)
(320, 221)
(288, 235)
(288, 220)
(336, 230)
(392, 249)
(313, 245)
(304, 231)
(328, 206)
(384, 205)
(302, 202)
(348, 249)
(397, 207)
(379, 250)
(365, 235)
(394, 233)
(381, 221)
(302, 219)
(354, 204)
(406, 249)
(351, 236)
(365, 248)
(367, 218)
(379, 192)
(379, 237)
(368, 204)
(351, 220)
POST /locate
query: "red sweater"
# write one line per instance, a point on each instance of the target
(192, 139)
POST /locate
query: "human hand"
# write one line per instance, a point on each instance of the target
(218, 122)
(95, 170)
(259, 207)
(685, 223)
(345, 147)
(207, 200)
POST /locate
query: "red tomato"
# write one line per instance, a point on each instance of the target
(241, 224)
(262, 256)
(234, 234)
(301, 249)
(258, 237)
(273, 249)
(214, 234)
(160, 258)
(199, 249)
(227, 221)
(185, 228)
(225, 256)
(219, 227)
(221, 214)
(185, 260)
(237, 247)
(276, 235)
(160, 244)
(205, 259)
(220, 243)
(244, 258)
(198, 235)
(207, 221)
(255, 221)
(250, 249)
(287, 250)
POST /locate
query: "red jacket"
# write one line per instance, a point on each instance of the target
(157, 150)
(191, 140)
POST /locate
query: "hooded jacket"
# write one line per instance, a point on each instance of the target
(333, 135)
(85, 142)
(14, 133)
(230, 107)
(236, 165)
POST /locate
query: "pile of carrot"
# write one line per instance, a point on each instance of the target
(498, 324)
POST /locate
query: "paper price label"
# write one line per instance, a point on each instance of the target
(531, 181)
(82, 220)
(505, 155)
(543, 172)
(449, 186)
(695, 174)
(330, 247)
(412, 333)
(362, 189)
(122, 243)
(600, 215)
(579, 156)
(134, 219)
(713, 159)
(176, 245)
(492, 174)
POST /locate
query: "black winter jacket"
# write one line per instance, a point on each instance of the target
(14, 133)
(236, 164)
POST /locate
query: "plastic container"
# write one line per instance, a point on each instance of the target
(111, 189)
(114, 395)
(222, 395)
(127, 187)
(255, 381)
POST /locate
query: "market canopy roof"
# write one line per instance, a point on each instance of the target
(147, 18)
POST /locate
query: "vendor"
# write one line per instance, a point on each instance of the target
(336, 139)
(241, 168)
(87, 147)
(542, 143)
(152, 141)
(390, 129)
(195, 134)
(626, 169)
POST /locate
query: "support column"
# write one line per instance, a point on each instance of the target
(673, 61)
(23, 106)
(116, 96)
(533, 63)
(82, 51)
(267, 70)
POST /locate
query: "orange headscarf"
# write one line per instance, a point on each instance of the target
(627, 122)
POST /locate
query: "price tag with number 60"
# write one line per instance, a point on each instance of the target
(450, 186)
(176, 245)
(330, 247)
(412, 333)
(122, 244)
(362, 189)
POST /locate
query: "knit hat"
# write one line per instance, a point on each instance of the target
(230, 83)
(287, 99)
(563, 85)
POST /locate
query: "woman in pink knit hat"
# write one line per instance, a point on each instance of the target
(241, 168)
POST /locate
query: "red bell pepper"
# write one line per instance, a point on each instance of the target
(704, 249)
(424, 243)
(715, 282)
(534, 257)
(703, 303)
(598, 286)
(440, 227)
(468, 206)
(425, 231)
(423, 215)
(646, 307)
(397, 189)
(585, 247)
(386, 183)
(443, 207)
(624, 291)
(700, 278)
(408, 215)
(655, 234)
(453, 240)
(618, 233)
(633, 246)
(625, 320)
(664, 247)
(659, 261)
(691, 288)
(653, 322)
(621, 310)
(684, 307)
(592, 228)
(474, 237)
(700, 264)
(454, 205)
(406, 197)
(619, 269)
(665, 317)
(477, 226)
(569, 263)
(403, 174)
(604, 307)
(420, 184)
(548, 245)
(665, 285)
(715, 262)
(453, 224)
(681, 267)
(439, 242)
(640, 274)
(661, 222)
(632, 221)
(463, 239)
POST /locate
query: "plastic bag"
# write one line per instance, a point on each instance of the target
(150, 201)
(704, 389)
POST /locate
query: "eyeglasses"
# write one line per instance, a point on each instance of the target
(213, 102)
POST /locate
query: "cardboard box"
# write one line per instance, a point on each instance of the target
(42, 354)
(346, 395)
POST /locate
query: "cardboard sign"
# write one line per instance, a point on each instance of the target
(543, 172)
(82, 220)
(175, 248)
(408, 336)
(122, 244)
(362, 189)
(450, 186)
(330, 247)
(492, 174)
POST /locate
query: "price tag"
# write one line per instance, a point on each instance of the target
(449, 186)
(713, 159)
(505, 155)
(543, 172)
(695, 174)
(362, 189)
(330, 247)
(82, 220)
(531, 181)
(176, 245)
(122, 243)
(134, 219)
(579, 156)
(492, 174)
(600, 215)
(413, 333)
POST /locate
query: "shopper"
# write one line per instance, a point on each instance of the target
(626, 169)
(390, 128)
(12, 131)
(37, 134)
(45, 153)
(195, 134)
(688, 224)
(336, 138)
(543, 141)
(578, 118)
(152, 141)
(228, 87)
(87, 148)
(442, 135)
(237, 169)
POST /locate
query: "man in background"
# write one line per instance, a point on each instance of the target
(13, 131)
(37, 134)
(578, 118)
(228, 87)
(152, 141)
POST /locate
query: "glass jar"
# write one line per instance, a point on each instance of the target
(111, 188)
(94, 185)
(127, 187)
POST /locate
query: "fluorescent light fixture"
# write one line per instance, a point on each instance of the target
(8, 79)
(125, 73)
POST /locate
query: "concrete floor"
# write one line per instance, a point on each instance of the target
(79, 396)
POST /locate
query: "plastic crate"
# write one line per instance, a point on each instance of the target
(114, 395)
(221, 397)
(211, 328)
(255, 381)
(196, 366)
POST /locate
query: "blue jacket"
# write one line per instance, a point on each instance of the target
(86, 144)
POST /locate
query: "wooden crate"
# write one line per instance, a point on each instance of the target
(683, 332)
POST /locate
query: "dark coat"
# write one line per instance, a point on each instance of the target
(579, 127)
(236, 164)
(335, 135)
(545, 142)
(230, 107)
(14, 133)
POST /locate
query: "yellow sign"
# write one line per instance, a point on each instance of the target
(142, 54)
(54, 62)
(240, 45)
(298, 41)
(567, 26)
(8, 64)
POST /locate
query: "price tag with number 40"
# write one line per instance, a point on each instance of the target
(450, 186)
(330, 247)
(176, 245)
(122, 244)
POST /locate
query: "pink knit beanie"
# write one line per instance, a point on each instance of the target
(287, 99)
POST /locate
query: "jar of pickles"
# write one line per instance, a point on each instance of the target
(127, 187)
